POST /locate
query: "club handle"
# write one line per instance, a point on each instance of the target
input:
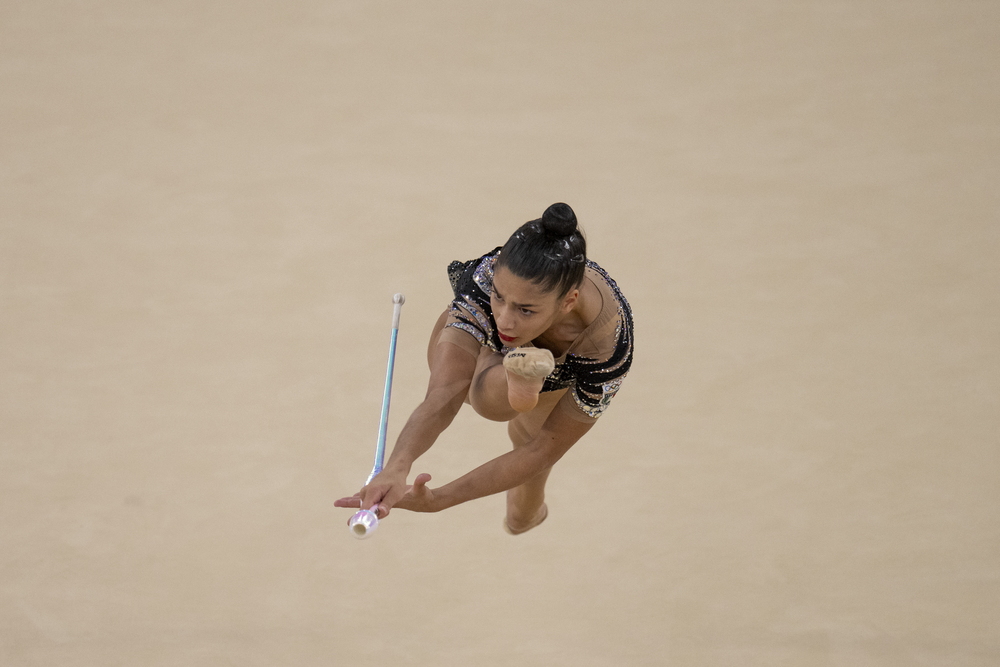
(365, 522)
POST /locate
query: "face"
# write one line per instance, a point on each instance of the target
(522, 310)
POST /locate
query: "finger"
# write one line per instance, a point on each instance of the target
(353, 501)
(380, 511)
(372, 500)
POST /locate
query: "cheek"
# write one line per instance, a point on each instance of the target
(539, 322)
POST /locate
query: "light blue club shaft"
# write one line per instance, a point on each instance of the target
(397, 301)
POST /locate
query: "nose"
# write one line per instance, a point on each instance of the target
(503, 319)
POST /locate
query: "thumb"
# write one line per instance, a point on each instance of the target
(420, 481)
(371, 500)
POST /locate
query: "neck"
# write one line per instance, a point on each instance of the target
(567, 326)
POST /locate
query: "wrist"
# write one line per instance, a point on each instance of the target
(397, 468)
(443, 499)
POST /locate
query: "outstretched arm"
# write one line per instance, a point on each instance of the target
(451, 375)
(557, 435)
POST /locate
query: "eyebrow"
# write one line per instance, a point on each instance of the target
(516, 305)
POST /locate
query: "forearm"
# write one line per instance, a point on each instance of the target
(500, 474)
(516, 467)
(421, 430)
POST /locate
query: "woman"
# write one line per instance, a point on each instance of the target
(538, 337)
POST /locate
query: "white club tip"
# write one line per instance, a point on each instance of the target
(363, 524)
(399, 298)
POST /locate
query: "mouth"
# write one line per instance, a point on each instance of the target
(506, 339)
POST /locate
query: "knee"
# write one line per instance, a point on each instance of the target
(487, 403)
(488, 393)
(490, 409)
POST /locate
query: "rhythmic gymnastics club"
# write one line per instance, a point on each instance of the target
(364, 522)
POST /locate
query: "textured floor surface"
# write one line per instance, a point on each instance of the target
(205, 208)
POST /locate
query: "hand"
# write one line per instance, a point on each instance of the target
(388, 490)
(418, 497)
(379, 494)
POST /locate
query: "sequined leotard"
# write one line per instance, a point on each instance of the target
(595, 364)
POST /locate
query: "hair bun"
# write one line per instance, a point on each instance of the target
(559, 220)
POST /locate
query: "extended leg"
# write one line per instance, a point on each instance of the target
(526, 503)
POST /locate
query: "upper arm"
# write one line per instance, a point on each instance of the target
(452, 369)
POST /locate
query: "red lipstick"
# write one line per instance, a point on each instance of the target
(506, 339)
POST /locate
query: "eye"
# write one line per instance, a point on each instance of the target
(525, 311)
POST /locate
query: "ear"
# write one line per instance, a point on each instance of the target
(569, 301)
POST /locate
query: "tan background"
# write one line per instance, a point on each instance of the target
(205, 211)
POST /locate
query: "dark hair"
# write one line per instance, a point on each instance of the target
(550, 252)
